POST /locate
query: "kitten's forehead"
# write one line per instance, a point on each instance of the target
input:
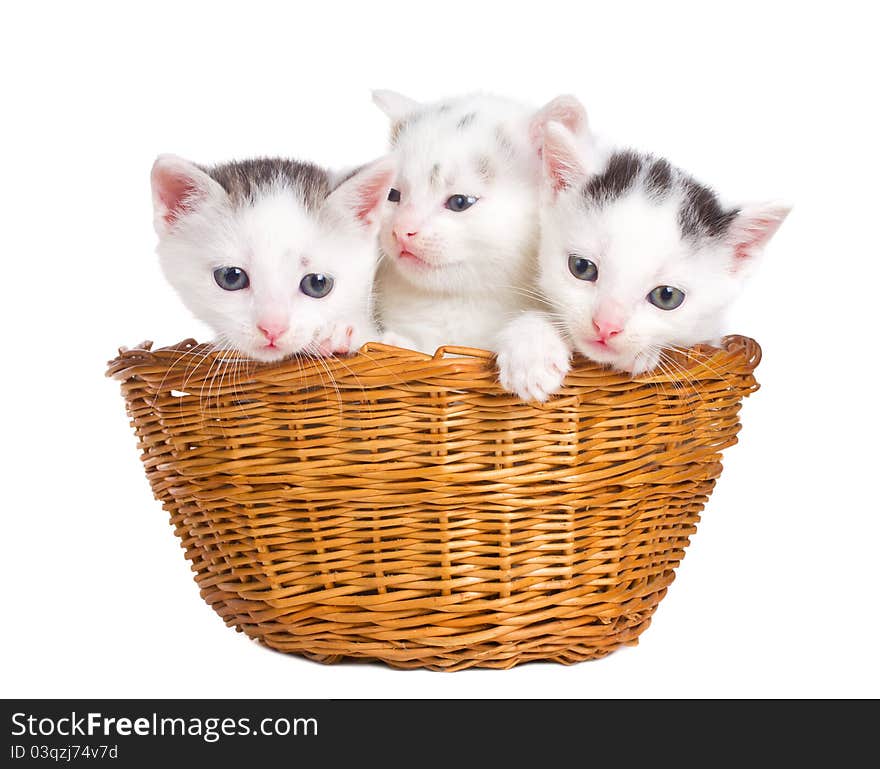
(248, 181)
(276, 228)
(696, 209)
(640, 234)
(471, 135)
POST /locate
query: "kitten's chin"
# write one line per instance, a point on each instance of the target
(419, 266)
(619, 360)
(433, 276)
(643, 363)
(266, 354)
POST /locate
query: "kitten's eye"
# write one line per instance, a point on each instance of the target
(316, 284)
(582, 269)
(394, 195)
(460, 202)
(231, 278)
(666, 297)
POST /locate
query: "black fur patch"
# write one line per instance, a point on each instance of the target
(701, 213)
(659, 179)
(245, 180)
(618, 176)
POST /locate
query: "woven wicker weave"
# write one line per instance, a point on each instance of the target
(400, 507)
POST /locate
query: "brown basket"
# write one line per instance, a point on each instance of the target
(401, 507)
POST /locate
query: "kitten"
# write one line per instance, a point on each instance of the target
(460, 231)
(269, 254)
(635, 256)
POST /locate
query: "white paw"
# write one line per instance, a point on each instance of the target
(339, 339)
(398, 340)
(532, 358)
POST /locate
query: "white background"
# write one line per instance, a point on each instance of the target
(778, 594)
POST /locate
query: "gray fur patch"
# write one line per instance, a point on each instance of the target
(505, 143)
(466, 120)
(435, 175)
(404, 124)
(397, 128)
(246, 180)
(485, 169)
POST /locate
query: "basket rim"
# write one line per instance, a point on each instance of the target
(189, 360)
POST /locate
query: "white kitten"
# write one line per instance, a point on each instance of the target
(460, 231)
(635, 257)
(268, 254)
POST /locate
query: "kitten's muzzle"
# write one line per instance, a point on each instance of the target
(272, 331)
(606, 328)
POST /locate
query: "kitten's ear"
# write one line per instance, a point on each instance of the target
(753, 226)
(358, 199)
(179, 187)
(565, 109)
(395, 105)
(563, 164)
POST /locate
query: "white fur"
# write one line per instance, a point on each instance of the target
(636, 243)
(474, 268)
(533, 358)
(277, 241)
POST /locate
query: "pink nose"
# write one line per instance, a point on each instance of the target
(272, 330)
(402, 235)
(606, 328)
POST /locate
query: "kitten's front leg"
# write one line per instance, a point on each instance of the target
(533, 358)
(398, 340)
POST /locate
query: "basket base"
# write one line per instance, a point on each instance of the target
(501, 657)
(565, 642)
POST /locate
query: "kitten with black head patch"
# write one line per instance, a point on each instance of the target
(635, 257)
(276, 256)
(459, 234)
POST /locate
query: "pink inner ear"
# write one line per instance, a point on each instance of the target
(370, 193)
(565, 110)
(570, 117)
(176, 192)
(753, 234)
(559, 167)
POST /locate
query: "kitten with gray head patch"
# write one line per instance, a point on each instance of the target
(635, 257)
(459, 234)
(276, 256)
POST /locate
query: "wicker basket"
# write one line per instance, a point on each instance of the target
(401, 507)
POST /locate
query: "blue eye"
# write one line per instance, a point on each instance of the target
(394, 195)
(582, 269)
(666, 297)
(316, 285)
(460, 202)
(231, 278)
